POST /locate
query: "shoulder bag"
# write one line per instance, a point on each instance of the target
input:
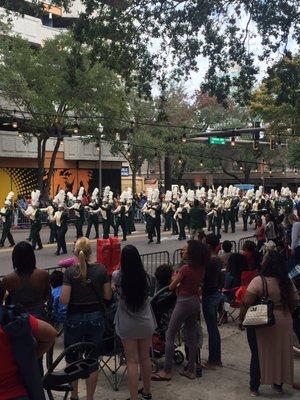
(261, 314)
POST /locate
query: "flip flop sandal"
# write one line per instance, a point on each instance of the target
(158, 378)
(186, 375)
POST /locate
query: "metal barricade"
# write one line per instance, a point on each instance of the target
(138, 215)
(177, 257)
(152, 260)
(52, 269)
(245, 239)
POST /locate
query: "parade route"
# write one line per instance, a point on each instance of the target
(47, 259)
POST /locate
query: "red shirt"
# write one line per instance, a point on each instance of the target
(11, 384)
(191, 280)
(261, 233)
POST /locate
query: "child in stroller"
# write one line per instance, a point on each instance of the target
(163, 304)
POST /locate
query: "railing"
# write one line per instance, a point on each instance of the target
(177, 257)
(152, 260)
(245, 239)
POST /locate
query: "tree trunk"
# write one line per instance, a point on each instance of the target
(181, 172)
(41, 151)
(51, 169)
(232, 175)
(160, 169)
(133, 170)
(247, 172)
(168, 173)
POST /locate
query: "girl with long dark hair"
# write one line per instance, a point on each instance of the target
(271, 347)
(188, 283)
(134, 320)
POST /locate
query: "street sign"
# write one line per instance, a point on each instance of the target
(125, 171)
(217, 140)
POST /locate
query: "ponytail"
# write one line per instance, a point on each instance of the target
(82, 265)
(83, 252)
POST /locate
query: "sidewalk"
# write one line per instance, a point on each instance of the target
(227, 383)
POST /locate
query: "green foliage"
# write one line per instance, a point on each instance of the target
(122, 33)
(277, 103)
(58, 79)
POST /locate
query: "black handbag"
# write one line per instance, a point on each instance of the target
(262, 314)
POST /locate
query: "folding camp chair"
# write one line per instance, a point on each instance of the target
(112, 361)
(230, 306)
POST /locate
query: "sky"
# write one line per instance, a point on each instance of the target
(196, 78)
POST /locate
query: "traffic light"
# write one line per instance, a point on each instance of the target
(272, 143)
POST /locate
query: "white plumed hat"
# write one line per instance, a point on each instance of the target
(80, 193)
(9, 198)
(35, 197)
(168, 196)
(95, 194)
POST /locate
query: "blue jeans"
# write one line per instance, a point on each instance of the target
(83, 327)
(210, 304)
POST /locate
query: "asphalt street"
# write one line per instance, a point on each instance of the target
(46, 257)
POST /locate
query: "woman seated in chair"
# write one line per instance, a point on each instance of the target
(236, 265)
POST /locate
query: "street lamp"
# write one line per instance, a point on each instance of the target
(100, 130)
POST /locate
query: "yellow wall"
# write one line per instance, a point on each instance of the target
(6, 185)
(126, 182)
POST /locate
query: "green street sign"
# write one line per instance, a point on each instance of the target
(217, 140)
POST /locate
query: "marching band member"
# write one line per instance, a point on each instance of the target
(146, 211)
(35, 215)
(6, 214)
(217, 212)
(167, 211)
(155, 216)
(60, 219)
(110, 215)
(180, 217)
(104, 211)
(120, 213)
(93, 218)
(79, 213)
(174, 206)
(50, 210)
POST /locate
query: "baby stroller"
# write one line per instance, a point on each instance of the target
(163, 304)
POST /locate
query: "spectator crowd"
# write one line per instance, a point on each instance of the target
(211, 280)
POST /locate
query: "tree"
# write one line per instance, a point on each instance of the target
(137, 143)
(277, 103)
(52, 89)
(174, 108)
(121, 33)
(242, 157)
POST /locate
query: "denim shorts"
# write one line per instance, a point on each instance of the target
(83, 327)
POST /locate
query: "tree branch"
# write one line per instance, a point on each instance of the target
(231, 174)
